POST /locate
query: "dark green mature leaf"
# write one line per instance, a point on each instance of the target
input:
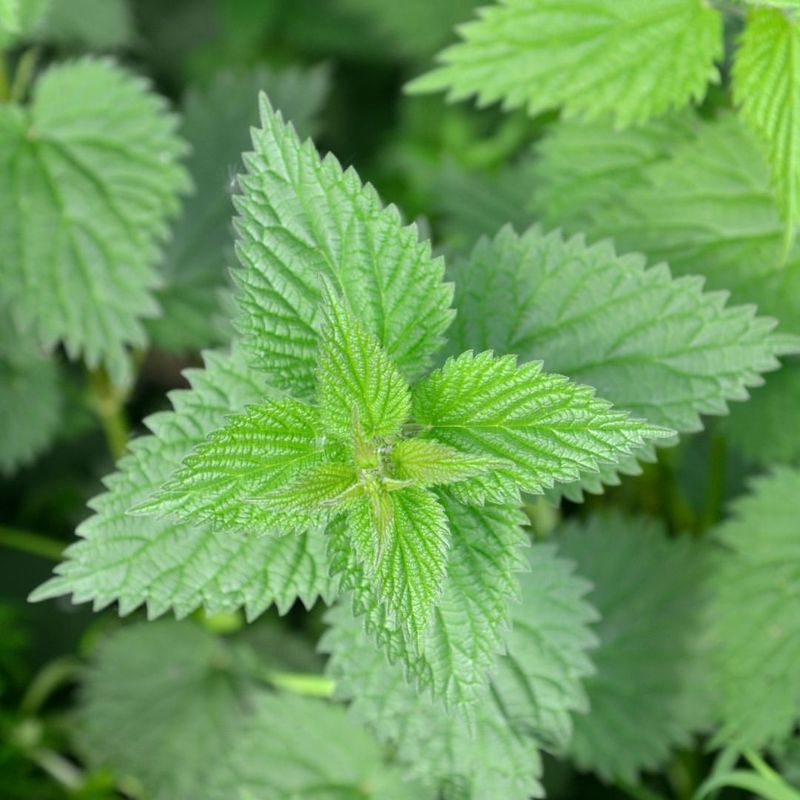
(649, 693)
(162, 702)
(536, 689)
(708, 210)
(546, 429)
(301, 218)
(169, 564)
(30, 398)
(619, 58)
(92, 177)
(755, 622)
(216, 124)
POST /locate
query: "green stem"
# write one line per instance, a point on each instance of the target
(715, 491)
(23, 77)
(63, 771)
(108, 403)
(5, 85)
(638, 791)
(761, 766)
(33, 543)
(307, 684)
(47, 680)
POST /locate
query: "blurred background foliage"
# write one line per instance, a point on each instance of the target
(336, 68)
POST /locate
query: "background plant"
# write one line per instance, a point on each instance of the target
(479, 483)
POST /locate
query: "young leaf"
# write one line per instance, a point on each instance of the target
(457, 655)
(547, 429)
(650, 692)
(229, 478)
(429, 463)
(216, 124)
(401, 540)
(30, 399)
(359, 386)
(755, 627)
(302, 217)
(171, 564)
(92, 175)
(495, 755)
(623, 58)
(766, 87)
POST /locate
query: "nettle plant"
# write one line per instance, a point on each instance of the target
(395, 441)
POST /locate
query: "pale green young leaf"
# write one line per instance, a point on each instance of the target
(755, 623)
(532, 694)
(216, 124)
(707, 210)
(401, 542)
(92, 175)
(618, 58)
(326, 485)
(30, 399)
(547, 429)
(171, 564)
(650, 691)
(302, 217)
(766, 87)
(228, 480)
(359, 388)
(427, 462)
(654, 345)
(457, 655)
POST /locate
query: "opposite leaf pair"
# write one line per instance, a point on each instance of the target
(376, 452)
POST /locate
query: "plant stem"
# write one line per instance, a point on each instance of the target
(307, 684)
(33, 543)
(26, 67)
(5, 87)
(63, 771)
(108, 403)
(46, 681)
(715, 491)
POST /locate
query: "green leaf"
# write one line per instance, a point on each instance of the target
(533, 690)
(650, 692)
(401, 540)
(766, 430)
(92, 176)
(160, 702)
(654, 345)
(216, 124)
(756, 633)
(19, 17)
(708, 210)
(413, 29)
(94, 24)
(546, 428)
(623, 58)
(766, 87)
(581, 167)
(226, 735)
(30, 399)
(302, 217)
(229, 478)
(170, 564)
(359, 386)
(429, 463)
(456, 656)
(9, 16)
(293, 746)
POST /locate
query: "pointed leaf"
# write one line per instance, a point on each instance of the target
(427, 462)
